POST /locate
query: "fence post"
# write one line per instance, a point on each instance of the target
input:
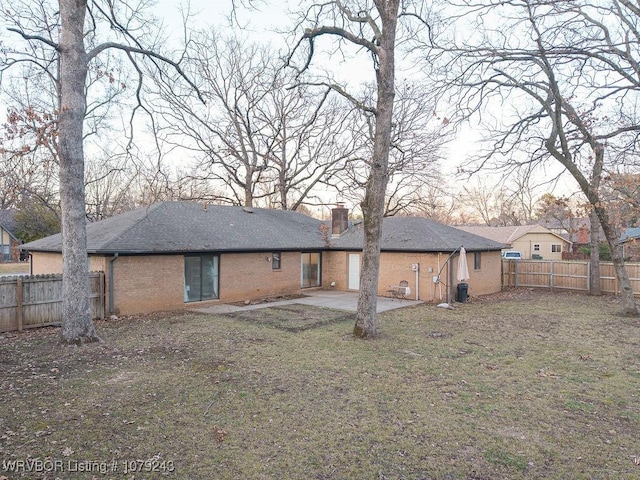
(515, 270)
(19, 302)
(102, 287)
(551, 275)
(589, 287)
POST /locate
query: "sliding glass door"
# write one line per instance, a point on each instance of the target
(310, 269)
(201, 278)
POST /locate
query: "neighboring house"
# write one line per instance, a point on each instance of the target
(175, 253)
(630, 244)
(534, 241)
(9, 244)
(577, 230)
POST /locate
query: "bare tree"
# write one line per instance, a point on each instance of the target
(306, 142)
(68, 61)
(436, 203)
(418, 138)
(563, 75)
(506, 201)
(490, 203)
(622, 193)
(371, 26)
(260, 136)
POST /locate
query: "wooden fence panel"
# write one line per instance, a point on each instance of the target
(35, 301)
(633, 269)
(570, 275)
(608, 279)
(534, 273)
(8, 310)
(42, 301)
(564, 275)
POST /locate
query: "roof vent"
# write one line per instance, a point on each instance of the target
(247, 209)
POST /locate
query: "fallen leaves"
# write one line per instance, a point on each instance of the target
(221, 433)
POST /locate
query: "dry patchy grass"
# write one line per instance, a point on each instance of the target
(519, 385)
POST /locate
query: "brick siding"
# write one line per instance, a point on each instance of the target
(156, 283)
(396, 266)
(248, 276)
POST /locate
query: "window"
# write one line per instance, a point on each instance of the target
(476, 260)
(556, 248)
(201, 278)
(310, 269)
(275, 260)
(536, 247)
(5, 253)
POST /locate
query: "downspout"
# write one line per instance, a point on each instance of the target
(111, 287)
(452, 295)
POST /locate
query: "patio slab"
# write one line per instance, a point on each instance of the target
(347, 301)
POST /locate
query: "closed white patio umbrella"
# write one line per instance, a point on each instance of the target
(463, 269)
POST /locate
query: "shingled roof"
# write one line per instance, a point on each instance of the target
(415, 234)
(7, 220)
(630, 234)
(182, 227)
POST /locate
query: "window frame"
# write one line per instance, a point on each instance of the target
(276, 261)
(477, 260)
(306, 280)
(203, 286)
(5, 252)
(553, 248)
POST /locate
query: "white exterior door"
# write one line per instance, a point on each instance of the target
(354, 271)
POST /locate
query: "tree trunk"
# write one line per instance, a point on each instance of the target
(594, 257)
(77, 325)
(373, 204)
(629, 307)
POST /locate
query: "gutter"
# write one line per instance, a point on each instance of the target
(111, 282)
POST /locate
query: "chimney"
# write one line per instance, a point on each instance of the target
(339, 219)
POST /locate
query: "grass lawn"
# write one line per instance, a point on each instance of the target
(517, 385)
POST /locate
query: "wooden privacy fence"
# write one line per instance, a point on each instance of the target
(36, 301)
(567, 275)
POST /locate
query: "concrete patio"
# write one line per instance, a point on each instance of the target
(320, 298)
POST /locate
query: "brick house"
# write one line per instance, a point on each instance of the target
(9, 244)
(630, 244)
(173, 254)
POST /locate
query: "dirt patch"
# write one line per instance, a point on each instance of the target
(260, 301)
(293, 317)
